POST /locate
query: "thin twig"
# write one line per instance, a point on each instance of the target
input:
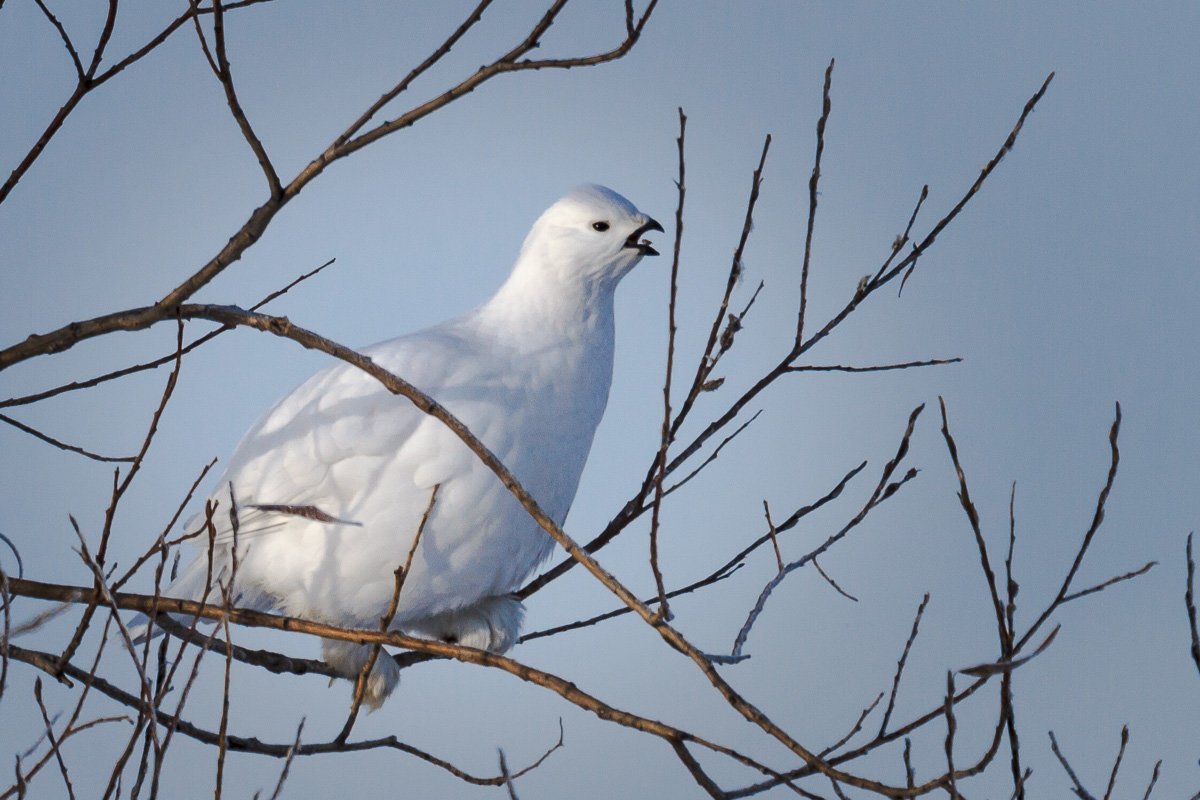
(879, 368)
(858, 725)
(772, 534)
(1112, 778)
(1081, 792)
(508, 783)
(1097, 518)
(667, 435)
(813, 180)
(287, 762)
(62, 445)
(951, 727)
(912, 637)
(964, 497)
(158, 362)
(252, 230)
(385, 622)
(883, 490)
(55, 744)
(1189, 600)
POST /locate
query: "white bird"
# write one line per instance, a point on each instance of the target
(332, 482)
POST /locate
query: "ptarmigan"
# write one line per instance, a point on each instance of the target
(332, 482)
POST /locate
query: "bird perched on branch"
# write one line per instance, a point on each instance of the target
(331, 484)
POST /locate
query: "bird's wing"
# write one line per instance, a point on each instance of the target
(340, 450)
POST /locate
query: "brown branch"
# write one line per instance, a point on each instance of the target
(910, 261)
(239, 743)
(697, 772)
(865, 290)
(879, 368)
(712, 456)
(826, 106)
(158, 362)
(903, 239)
(708, 360)
(1189, 600)
(55, 744)
(1119, 578)
(666, 435)
(635, 506)
(62, 34)
(385, 622)
(1081, 792)
(119, 490)
(20, 787)
(90, 80)
(719, 574)
(1153, 780)
(225, 76)
(1006, 666)
(617, 612)
(858, 726)
(1112, 778)
(883, 490)
(167, 605)
(964, 498)
(403, 85)
(1008, 708)
(912, 637)
(951, 727)
(287, 762)
(1097, 518)
(140, 318)
(63, 445)
(817, 566)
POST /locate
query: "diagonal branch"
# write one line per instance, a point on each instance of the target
(141, 318)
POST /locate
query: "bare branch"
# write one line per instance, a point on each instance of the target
(287, 762)
(964, 497)
(826, 106)
(63, 445)
(666, 435)
(1112, 778)
(1003, 667)
(1189, 600)
(140, 318)
(1080, 792)
(880, 368)
(1101, 586)
(54, 743)
(1097, 518)
(951, 727)
(912, 637)
(225, 76)
(158, 362)
(90, 80)
(385, 622)
(62, 33)
(882, 491)
(858, 725)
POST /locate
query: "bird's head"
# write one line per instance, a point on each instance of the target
(593, 235)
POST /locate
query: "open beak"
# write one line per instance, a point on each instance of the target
(636, 241)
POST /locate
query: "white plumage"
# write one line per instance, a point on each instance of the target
(528, 372)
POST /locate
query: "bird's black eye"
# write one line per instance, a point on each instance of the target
(600, 226)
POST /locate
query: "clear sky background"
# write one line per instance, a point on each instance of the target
(1068, 284)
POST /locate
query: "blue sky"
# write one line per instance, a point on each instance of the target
(1070, 283)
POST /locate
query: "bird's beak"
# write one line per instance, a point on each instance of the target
(636, 241)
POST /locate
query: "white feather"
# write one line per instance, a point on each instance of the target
(528, 372)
